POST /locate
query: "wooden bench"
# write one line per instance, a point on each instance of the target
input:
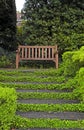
(36, 53)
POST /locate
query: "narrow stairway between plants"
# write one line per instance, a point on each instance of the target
(44, 101)
(47, 104)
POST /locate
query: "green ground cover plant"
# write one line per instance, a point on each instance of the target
(50, 72)
(51, 107)
(31, 79)
(53, 86)
(7, 107)
(39, 95)
(20, 122)
(41, 72)
(15, 72)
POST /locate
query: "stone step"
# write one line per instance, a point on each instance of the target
(19, 82)
(59, 115)
(42, 90)
(47, 101)
(48, 129)
(27, 71)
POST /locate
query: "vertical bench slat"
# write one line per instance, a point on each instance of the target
(29, 52)
(39, 56)
(52, 52)
(35, 52)
(32, 52)
(49, 53)
(42, 52)
(25, 52)
(22, 52)
(45, 52)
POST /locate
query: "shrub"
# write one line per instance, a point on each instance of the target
(2, 52)
(4, 61)
(7, 107)
(81, 76)
(70, 67)
(79, 91)
(73, 61)
(7, 59)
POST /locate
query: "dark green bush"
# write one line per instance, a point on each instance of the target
(7, 107)
(2, 51)
(4, 61)
(7, 60)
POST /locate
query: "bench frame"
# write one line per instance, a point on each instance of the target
(37, 53)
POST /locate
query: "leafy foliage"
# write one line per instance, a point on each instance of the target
(38, 95)
(46, 123)
(7, 107)
(37, 86)
(79, 90)
(32, 79)
(73, 61)
(54, 22)
(7, 58)
(73, 66)
(51, 107)
(4, 61)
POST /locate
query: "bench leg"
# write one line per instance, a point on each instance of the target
(56, 63)
(17, 60)
(17, 64)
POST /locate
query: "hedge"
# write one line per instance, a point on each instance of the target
(7, 107)
(73, 61)
(79, 90)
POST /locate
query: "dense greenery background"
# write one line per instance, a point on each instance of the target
(8, 24)
(46, 22)
(51, 22)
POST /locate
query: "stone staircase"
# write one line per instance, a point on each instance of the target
(62, 115)
(42, 103)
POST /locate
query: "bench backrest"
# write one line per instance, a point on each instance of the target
(36, 53)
